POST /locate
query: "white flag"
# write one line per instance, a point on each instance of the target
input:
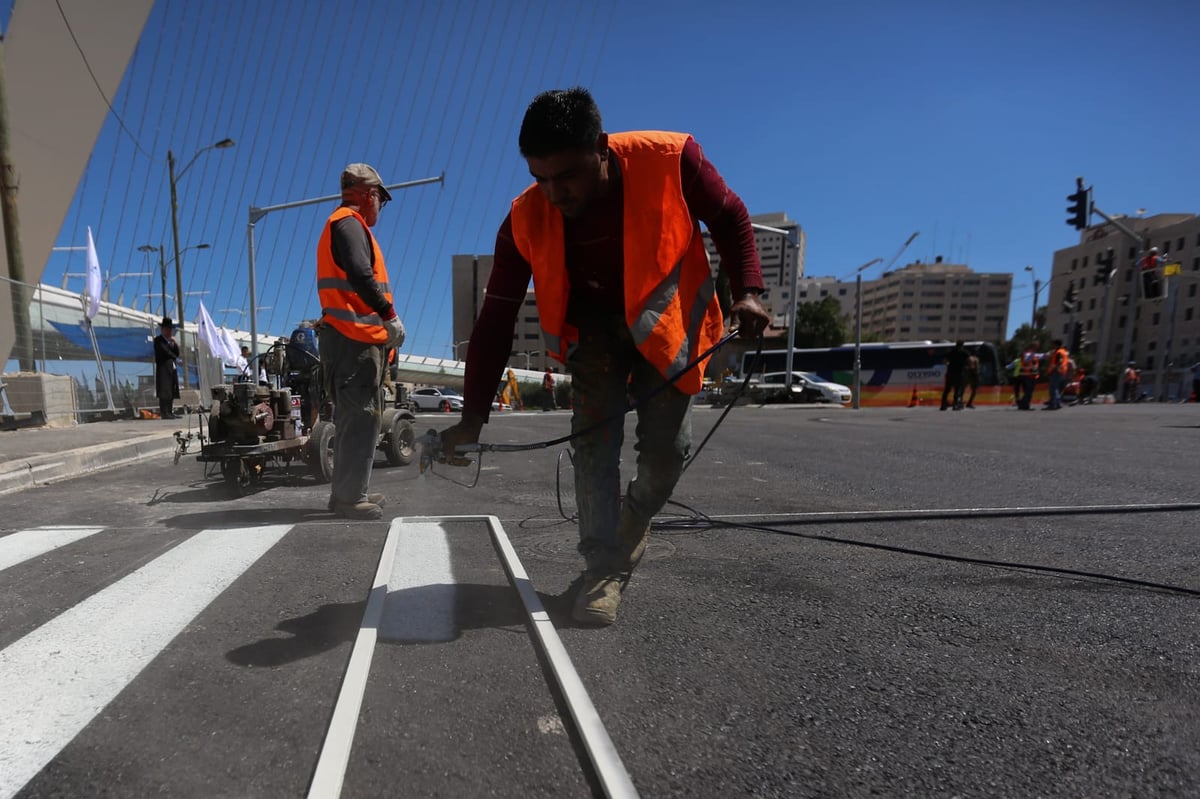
(234, 352)
(91, 291)
(210, 335)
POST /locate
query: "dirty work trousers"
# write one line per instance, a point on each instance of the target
(606, 372)
(352, 371)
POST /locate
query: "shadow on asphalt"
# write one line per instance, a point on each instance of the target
(252, 517)
(476, 607)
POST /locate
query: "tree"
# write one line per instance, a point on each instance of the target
(821, 324)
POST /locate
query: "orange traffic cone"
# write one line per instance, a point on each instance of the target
(914, 400)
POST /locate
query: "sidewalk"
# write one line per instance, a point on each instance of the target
(31, 456)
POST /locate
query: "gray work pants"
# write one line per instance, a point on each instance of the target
(605, 369)
(352, 372)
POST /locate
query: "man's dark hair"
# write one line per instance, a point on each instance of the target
(558, 120)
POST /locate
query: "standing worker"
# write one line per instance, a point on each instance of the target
(359, 325)
(166, 378)
(971, 376)
(548, 403)
(956, 363)
(1030, 360)
(1060, 364)
(610, 234)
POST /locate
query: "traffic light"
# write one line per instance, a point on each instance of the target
(1104, 268)
(1068, 304)
(1080, 208)
(1077, 338)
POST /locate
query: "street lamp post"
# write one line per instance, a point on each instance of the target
(162, 268)
(858, 315)
(174, 176)
(858, 329)
(1037, 289)
(454, 345)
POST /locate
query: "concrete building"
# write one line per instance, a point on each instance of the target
(936, 301)
(1162, 331)
(468, 282)
(782, 264)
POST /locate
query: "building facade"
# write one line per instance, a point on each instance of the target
(469, 276)
(1161, 336)
(920, 301)
(782, 263)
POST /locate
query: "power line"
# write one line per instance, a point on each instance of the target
(95, 81)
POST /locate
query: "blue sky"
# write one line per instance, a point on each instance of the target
(864, 121)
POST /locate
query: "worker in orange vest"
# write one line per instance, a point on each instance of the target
(358, 325)
(610, 235)
(1030, 360)
(1056, 374)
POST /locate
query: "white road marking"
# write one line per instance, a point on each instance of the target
(335, 752)
(421, 586)
(25, 545)
(57, 678)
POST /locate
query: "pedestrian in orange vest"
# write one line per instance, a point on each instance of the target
(359, 324)
(610, 234)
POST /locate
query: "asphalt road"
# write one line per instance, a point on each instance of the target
(890, 602)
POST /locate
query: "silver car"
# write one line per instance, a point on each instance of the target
(810, 387)
(437, 399)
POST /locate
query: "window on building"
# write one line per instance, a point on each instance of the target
(1089, 325)
(1187, 315)
(1179, 244)
(531, 336)
(1084, 265)
(1196, 264)
(1149, 361)
(1165, 247)
(1074, 263)
(1121, 322)
(1132, 253)
(1092, 304)
(1154, 319)
(1192, 290)
(841, 292)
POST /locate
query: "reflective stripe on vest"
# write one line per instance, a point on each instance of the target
(670, 296)
(341, 306)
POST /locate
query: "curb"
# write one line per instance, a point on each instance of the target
(17, 475)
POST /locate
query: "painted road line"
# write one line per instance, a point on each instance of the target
(335, 752)
(25, 545)
(614, 777)
(421, 588)
(57, 678)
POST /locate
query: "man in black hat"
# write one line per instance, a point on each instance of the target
(166, 378)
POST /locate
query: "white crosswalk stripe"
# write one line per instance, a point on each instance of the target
(57, 678)
(25, 545)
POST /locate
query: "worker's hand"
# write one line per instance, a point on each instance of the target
(395, 331)
(750, 316)
(465, 432)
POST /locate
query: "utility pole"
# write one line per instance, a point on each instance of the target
(12, 236)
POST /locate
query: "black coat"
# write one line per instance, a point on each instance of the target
(166, 378)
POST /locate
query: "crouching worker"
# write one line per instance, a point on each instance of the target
(610, 234)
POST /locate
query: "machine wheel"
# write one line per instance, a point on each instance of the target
(319, 451)
(399, 442)
(237, 476)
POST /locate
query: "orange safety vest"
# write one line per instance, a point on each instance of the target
(670, 296)
(341, 306)
(1058, 361)
(1029, 363)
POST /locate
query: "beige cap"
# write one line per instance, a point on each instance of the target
(364, 174)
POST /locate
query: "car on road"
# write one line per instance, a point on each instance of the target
(808, 387)
(437, 399)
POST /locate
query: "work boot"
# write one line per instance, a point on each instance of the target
(633, 546)
(598, 598)
(357, 510)
(375, 499)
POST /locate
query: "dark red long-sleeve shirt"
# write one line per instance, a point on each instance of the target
(595, 268)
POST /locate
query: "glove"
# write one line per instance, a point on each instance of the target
(395, 331)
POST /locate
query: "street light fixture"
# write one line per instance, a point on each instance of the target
(1037, 288)
(456, 344)
(174, 177)
(162, 268)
